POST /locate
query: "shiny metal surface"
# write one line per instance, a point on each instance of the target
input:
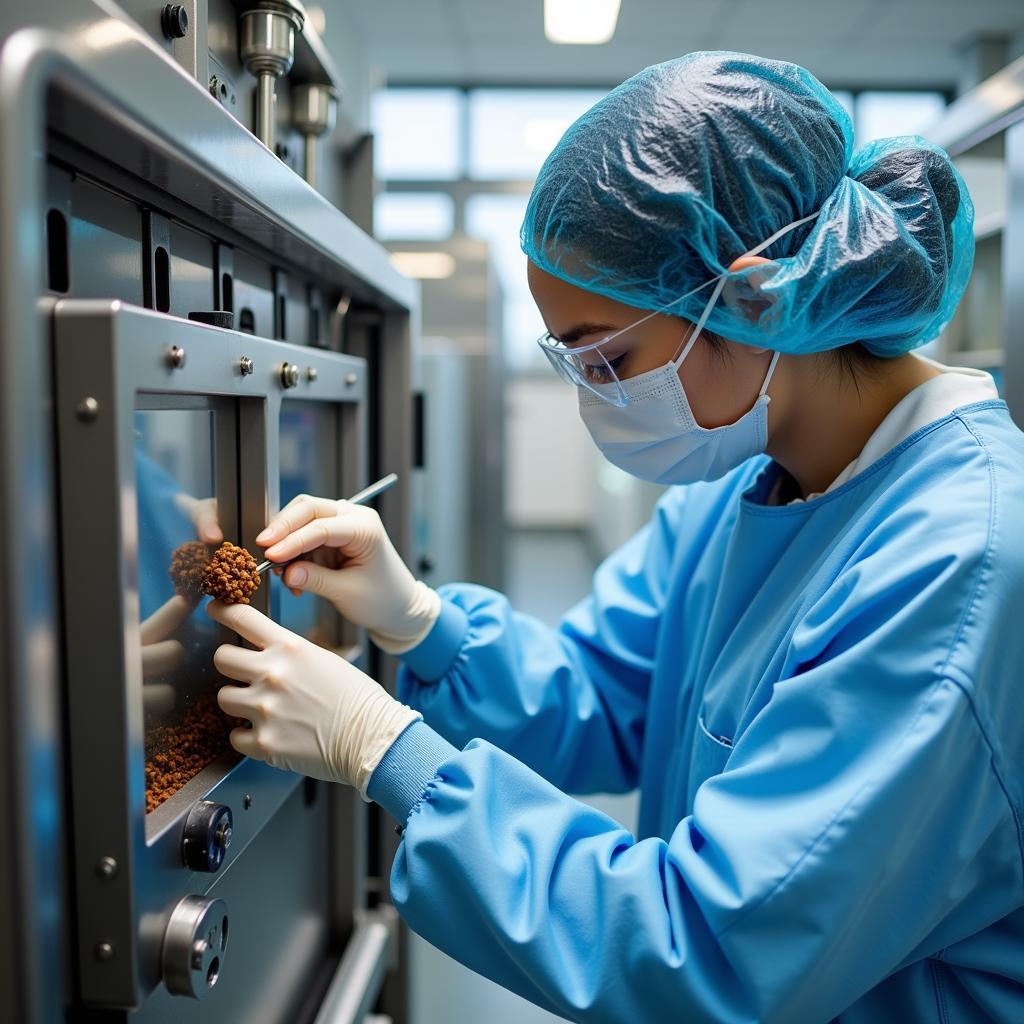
(195, 946)
(314, 112)
(357, 981)
(112, 351)
(268, 50)
(79, 74)
(983, 112)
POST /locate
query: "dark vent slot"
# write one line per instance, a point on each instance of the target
(57, 251)
(162, 274)
(227, 292)
(247, 320)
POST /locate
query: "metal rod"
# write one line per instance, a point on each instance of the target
(309, 143)
(366, 494)
(265, 102)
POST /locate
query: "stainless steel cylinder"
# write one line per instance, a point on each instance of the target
(267, 49)
(195, 942)
(314, 113)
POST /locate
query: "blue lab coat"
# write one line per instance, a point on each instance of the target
(821, 704)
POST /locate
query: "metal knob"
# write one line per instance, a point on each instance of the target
(207, 836)
(195, 942)
(314, 112)
(174, 21)
(268, 50)
(289, 375)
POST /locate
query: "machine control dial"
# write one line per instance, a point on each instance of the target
(207, 836)
(195, 942)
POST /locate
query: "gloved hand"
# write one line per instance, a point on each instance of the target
(161, 654)
(367, 581)
(203, 513)
(311, 711)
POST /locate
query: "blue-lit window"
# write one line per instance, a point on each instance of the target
(881, 114)
(418, 133)
(511, 131)
(413, 216)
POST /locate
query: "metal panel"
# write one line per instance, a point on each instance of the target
(108, 352)
(82, 72)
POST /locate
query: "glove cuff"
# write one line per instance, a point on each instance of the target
(424, 608)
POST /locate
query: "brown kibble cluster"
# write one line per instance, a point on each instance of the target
(177, 752)
(188, 565)
(231, 575)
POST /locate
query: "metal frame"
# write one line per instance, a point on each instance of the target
(109, 352)
(82, 69)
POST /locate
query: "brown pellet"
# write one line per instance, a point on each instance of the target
(231, 575)
(188, 565)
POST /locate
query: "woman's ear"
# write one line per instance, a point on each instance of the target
(744, 294)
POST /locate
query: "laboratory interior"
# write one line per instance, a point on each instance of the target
(511, 511)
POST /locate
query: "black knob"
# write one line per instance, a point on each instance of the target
(174, 21)
(213, 317)
(207, 836)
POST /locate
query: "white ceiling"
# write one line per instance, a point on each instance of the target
(844, 42)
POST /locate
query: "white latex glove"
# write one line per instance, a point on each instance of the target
(311, 711)
(364, 576)
(203, 513)
(162, 654)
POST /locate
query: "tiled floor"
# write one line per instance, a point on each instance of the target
(547, 574)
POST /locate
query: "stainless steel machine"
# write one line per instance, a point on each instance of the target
(191, 335)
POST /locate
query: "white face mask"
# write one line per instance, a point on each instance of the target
(655, 436)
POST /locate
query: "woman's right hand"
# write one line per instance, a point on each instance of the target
(364, 576)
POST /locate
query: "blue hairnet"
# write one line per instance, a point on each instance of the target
(689, 164)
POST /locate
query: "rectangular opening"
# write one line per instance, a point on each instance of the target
(186, 498)
(57, 251)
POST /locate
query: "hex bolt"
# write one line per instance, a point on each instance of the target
(245, 366)
(351, 379)
(106, 867)
(311, 374)
(289, 375)
(174, 21)
(87, 409)
(214, 85)
(103, 950)
(176, 357)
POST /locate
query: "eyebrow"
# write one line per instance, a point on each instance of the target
(581, 331)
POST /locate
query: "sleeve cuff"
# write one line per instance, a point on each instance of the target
(404, 772)
(430, 660)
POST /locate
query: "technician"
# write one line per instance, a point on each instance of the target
(811, 660)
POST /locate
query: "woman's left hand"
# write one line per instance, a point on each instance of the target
(311, 711)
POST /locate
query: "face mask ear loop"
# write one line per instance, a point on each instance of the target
(768, 375)
(677, 362)
(720, 283)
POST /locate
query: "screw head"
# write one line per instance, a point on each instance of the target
(214, 85)
(311, 373)
(351, 378)
(103, 950)
(106, 867)
(87, 409)
(247, 801)
(245, 366)
(176, 357)
(289, 375)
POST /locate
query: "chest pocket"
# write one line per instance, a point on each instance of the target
(708, 758)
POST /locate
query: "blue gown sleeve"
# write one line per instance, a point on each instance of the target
(568, 702)
(859, 823)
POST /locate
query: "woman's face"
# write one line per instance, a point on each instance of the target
(721, 386)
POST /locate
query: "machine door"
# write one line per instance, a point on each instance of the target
(198, 874)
